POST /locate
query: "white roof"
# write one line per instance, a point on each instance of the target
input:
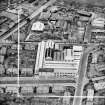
(12, 88)
(100, 19)
(90, 92)
(43, 87)
(100, 85)
(58, 87)
(38, 26)
(49, 44)
(67, 94)
(97, 30)
(81, 28)
(61, 70)
(98, 24)
(27, 88)
(77, 48)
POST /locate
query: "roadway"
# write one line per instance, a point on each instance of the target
(24, 21)
(37, 84)
(81, 78)
(33, 80)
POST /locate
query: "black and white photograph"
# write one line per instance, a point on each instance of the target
(52, 52)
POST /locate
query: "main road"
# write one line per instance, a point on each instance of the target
(24, 21)
(82, 74)
(31, 81)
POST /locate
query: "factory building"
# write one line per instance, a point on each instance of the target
(61, 59)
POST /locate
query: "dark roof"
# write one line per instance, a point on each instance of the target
(46, 70)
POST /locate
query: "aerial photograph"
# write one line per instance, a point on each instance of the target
(52, 52)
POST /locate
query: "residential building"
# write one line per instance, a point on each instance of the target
(66, 100)
(12, 89)
(81, 30)
(27, 71)
(58, 88)
(46, 72)
(1, 59)
(89, 103)
(30, 46)
(77, 48)
(94, 58)
(100, 67)
(2, 69)
(99, 85)
(90, 94)
(67, 73)
(12, 71)
(84, 13)
(1, 90)
(40, 56)
(26, 89)
(43, 89)
(3, 50)
(98, 22)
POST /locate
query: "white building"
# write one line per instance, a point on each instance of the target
(12, 70)
(53, 8)
(81, 30)
(99, 85)
(12, 89)
(38, 26)
(50, 44)
(94, 58)
(58, 88)
(27, 71)
(2, 70)
(89, 103)
(90, 94)
(67, 73)
(98, 22)
(66, 100)
(1, 59)
(77, 48)
(3, 50)
(1, 90)
(27, 89)
(77, 53)
(43, 89)
(101, 67)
